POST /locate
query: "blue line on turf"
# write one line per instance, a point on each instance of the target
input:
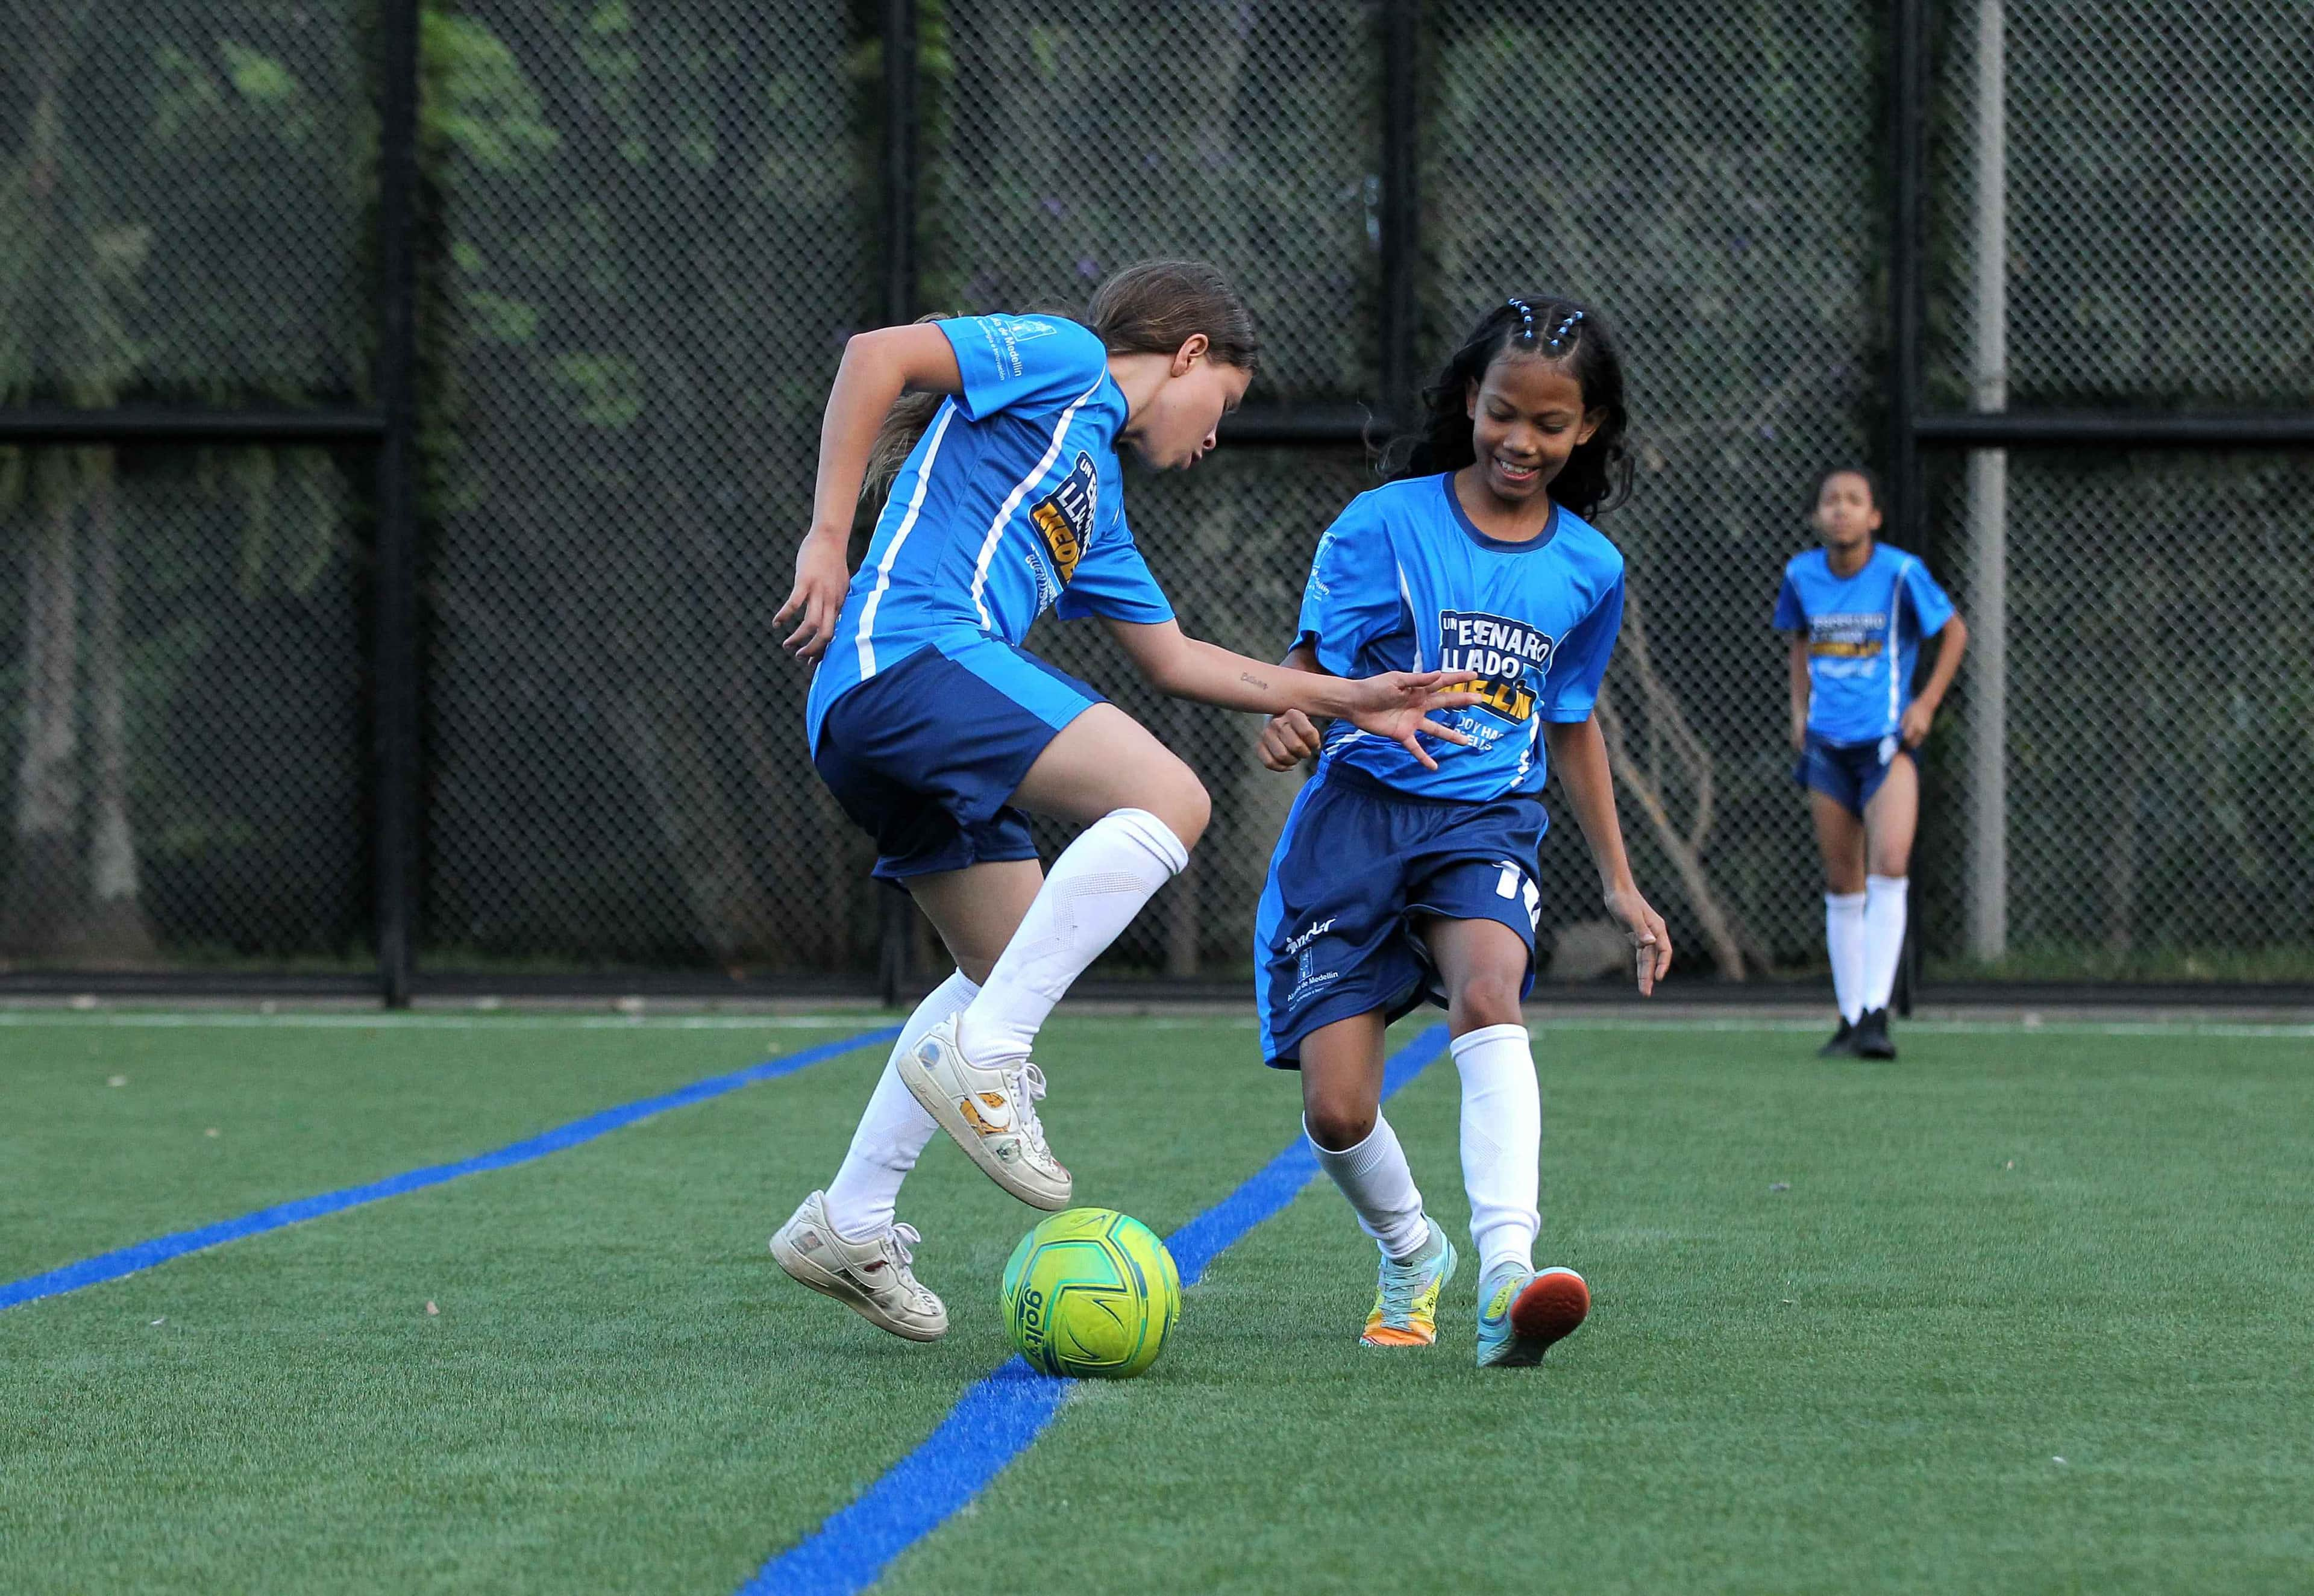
(1000, 1416)
(144, 1255)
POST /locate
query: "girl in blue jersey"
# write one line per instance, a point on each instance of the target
(934, 730)
(1857, 612)
(1399, 879)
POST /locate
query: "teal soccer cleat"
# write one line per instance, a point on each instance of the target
(1406, 1300)
(1521, 1314)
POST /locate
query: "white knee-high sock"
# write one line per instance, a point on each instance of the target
(1097, 887)
(1502, 1143)
(1374, 1176)
(892, 1131)
(1843, 938)
(1884, 935)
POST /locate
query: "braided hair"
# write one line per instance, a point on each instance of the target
(1565, 331)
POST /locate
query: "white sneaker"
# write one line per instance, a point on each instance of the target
(990, 1113)
(872, 1277)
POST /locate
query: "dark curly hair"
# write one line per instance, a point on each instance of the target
(1597, 476)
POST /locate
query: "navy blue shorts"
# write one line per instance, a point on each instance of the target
(1357, 866)
(1849, 773)
(925, 755)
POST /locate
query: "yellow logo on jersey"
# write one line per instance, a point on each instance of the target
(1064, 517)
(1503, 652)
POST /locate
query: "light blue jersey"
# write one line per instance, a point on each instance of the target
(1010, 505)
(1403, 581)
(1864, 635)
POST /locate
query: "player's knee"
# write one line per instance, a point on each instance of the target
(1182, 803)
(1338, 1124)
(1486, 998)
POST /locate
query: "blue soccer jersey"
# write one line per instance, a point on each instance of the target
(1864, 635)
(1404, 581)
(1010, 504)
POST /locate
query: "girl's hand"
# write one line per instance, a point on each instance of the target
(821, 576)
(1919, 716)
(1650, 942)
(1288, 739)
(1396, 705)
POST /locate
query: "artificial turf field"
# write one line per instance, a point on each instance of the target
(1849, 1319)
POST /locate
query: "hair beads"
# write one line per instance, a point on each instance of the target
(1526, 321)
(1566, 330)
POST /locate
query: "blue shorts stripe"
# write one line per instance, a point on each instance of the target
(1046, 694)
(1270, 912)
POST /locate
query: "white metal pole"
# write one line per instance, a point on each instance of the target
(1988, 506)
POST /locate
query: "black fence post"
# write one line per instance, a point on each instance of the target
(897, 207)
(1908, 134)
(898, 197)
(1400, 220)
(396, 666)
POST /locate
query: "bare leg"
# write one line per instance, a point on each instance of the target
(1341, 1081)
(1104, 761)
(1840, 838)
(977, 910)
(1144, 809)
(1341, 1110)
(1890, 819)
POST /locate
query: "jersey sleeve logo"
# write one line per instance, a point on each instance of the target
(1503, 652)
(1064, 517)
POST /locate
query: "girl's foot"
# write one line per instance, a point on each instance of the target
(1872, 1037)
(870, 1276)
(1522, 1313)
(990, 1113)
(1842, 1044)
(1406, 1300)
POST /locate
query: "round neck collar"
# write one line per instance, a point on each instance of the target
(1497, 545)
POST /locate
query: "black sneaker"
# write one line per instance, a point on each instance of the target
(1872, 1035)
(1842, 1044)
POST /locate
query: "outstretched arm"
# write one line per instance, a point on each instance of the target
(1396, 706)
(877, 367)
(1578, 758)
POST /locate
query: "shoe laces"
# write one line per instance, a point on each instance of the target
(1026, 1085)
(906, 1239)
(1402, 1282)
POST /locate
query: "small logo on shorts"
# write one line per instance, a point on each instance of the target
(1297, 944)
(1887, 749)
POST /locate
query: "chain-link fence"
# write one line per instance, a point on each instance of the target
(648, 231)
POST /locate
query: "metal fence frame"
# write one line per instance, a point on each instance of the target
(388, 431)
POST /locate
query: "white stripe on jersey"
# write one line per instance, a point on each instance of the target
(1895, 613)
(1020, 491)
(1415, 620)
(899, 536)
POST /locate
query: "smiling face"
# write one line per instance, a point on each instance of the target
(1526, 418)
(1174, 425)
(1845, 515)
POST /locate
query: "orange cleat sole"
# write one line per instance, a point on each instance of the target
(1549, 1308)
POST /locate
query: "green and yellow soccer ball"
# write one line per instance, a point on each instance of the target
(1091, 1293)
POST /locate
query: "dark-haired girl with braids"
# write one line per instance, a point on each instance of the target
(1399, 879)
(934, 730)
